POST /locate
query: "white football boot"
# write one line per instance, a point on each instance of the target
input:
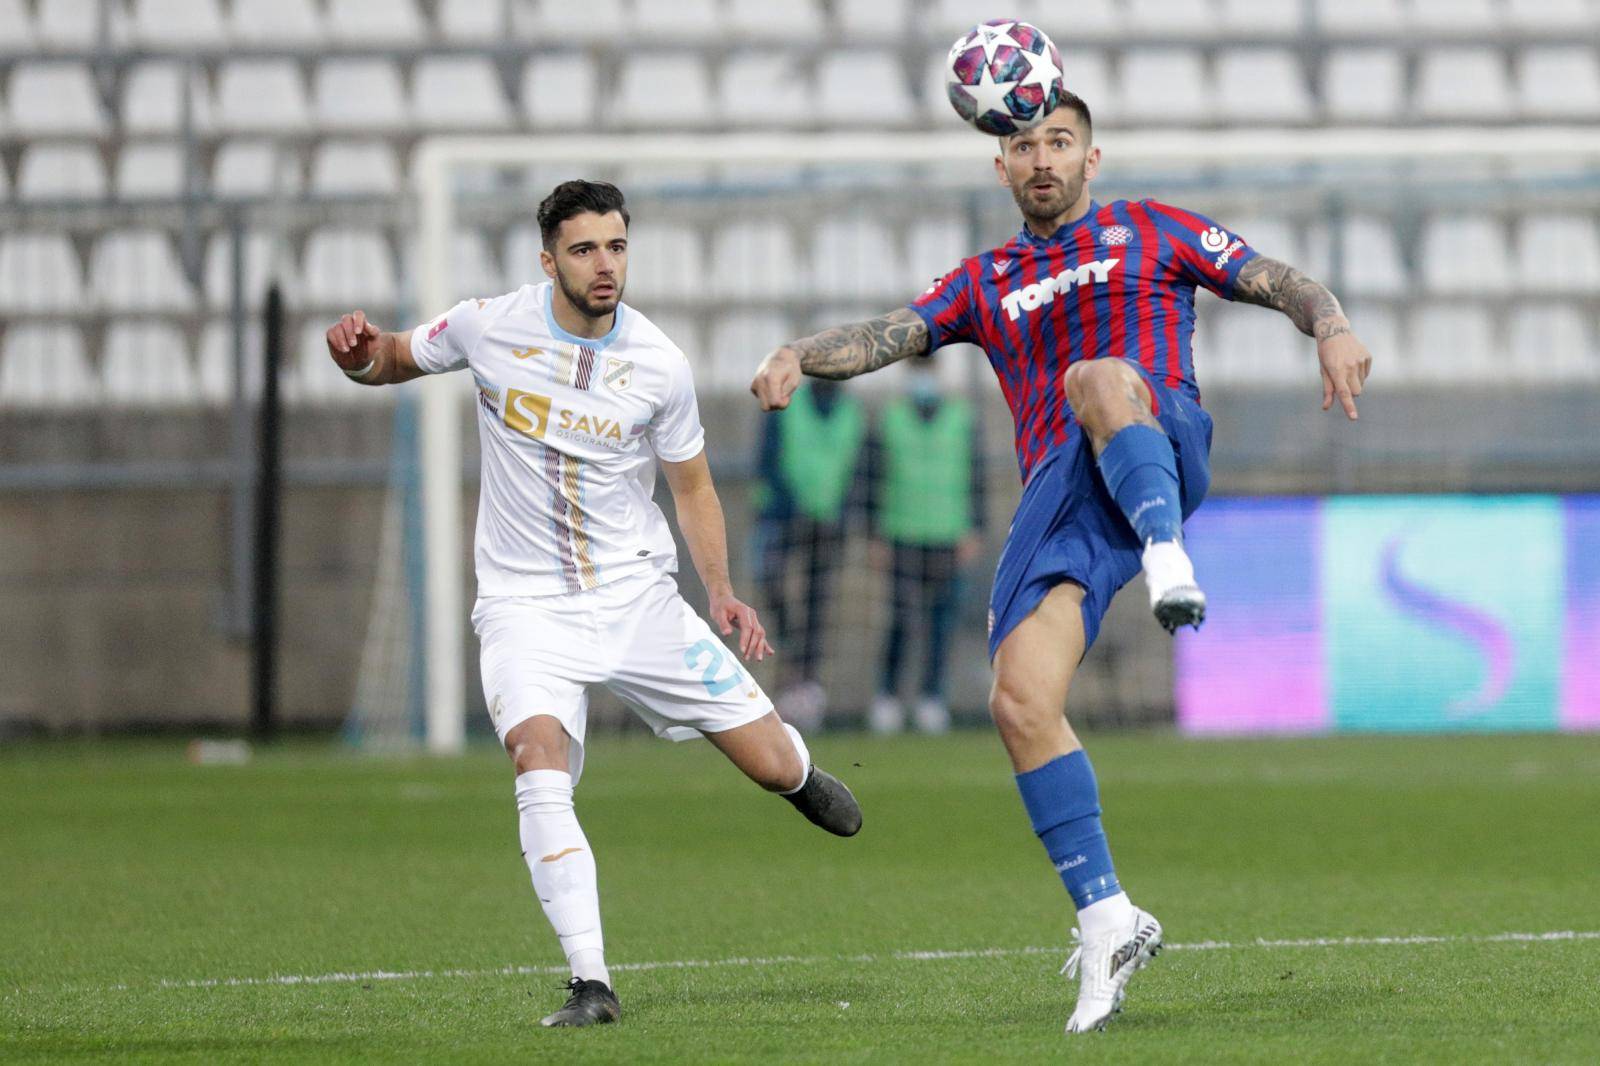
(1105, 965)
(886, 715)
(1175, 597)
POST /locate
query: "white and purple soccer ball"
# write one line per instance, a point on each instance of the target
(1004, 76)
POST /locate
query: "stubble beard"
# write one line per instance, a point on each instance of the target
(585, 306)
(1052, 207)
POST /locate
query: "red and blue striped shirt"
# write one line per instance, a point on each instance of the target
(1118, 282)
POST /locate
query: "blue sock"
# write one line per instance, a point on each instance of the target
(1063, 804)
(1142, 473)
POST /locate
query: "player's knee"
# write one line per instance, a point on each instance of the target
(540, 743)
(1019, 715)
(1099, 389)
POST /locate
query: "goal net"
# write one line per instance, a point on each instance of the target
(739, 242)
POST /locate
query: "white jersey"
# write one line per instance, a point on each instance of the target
(570, 427)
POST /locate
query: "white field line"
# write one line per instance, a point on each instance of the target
(371, 976)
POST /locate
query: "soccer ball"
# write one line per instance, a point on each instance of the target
(1004, 76)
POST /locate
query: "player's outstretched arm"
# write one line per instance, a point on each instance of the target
(694, 497)
(370, 356)
(1316, 311)
(840, 352)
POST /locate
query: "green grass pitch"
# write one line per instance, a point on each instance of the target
(315, 906)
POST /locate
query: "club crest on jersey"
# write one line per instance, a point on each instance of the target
(1213, 240)
(1031, 297)
(1115, 236)
(619, 374)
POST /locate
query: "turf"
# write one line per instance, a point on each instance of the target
(131, 883)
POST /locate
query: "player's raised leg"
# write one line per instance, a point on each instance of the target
(562, 866)
(774, 755)
(1139, 468)
(1033, 669)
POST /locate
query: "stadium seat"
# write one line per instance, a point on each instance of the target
(138, 270)
(146, 365)
(799, 20)
(376, 21)
(755, 259)
(1558, 253)
(859, 88)
(874, 20)
(79, 25)
(1552, 343)
(1549, 14)
(934, 246)
(358, 94)
(1363, 84)
(58, 99)
(664, 89)
(1559, 82)
(856, 257)
(458, 93)
(683, 329)
(474, 274)
(1464, 254)
(1263, 85)
(261, 95)
(61, 172)
(178, 24)
(1089, 76)
(1475, 18)
(558, 91)
(44, 367)
(1361, 16)
(1276, 237)
(764, 89)
(1378, 326)
(347, 267)
(560, 21)
(1463, 83)
(264, 260)
(521, 257)
(1243, 19)
(149, 172)
(1454, 343)
(1165, 86)
(257, 168)
(666, 261)
(1190, 19)
(217, 366)
(16, 28)
(39, 272)
(354, 168)
(699, 21)
(277, 22)
(949, 18)
(1105, 19)
(479, 21)
(738, 342)
(152, 98)
(1370, 259)
(1253, 348)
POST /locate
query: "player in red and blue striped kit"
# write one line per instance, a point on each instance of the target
(1087, 317)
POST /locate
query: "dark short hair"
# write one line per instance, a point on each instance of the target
(573, 198)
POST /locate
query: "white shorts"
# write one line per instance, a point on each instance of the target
(637, 636)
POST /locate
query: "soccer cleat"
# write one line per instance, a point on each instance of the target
(1175, 598)
(826, 802)
(1105, 965)
(591, 1003)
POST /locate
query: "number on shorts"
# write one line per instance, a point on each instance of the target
(708, 675)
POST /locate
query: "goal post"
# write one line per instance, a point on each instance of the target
(439, 164)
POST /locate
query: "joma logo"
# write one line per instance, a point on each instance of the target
(1030, 297)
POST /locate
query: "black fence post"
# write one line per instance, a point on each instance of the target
(269, 491)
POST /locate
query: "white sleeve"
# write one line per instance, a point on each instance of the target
(445, 343)
(675, 431)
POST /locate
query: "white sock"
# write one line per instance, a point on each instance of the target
(558, 857)
(1105, 916)
(805, 759)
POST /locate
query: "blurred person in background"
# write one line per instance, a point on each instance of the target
(925, 512)
(809, 468)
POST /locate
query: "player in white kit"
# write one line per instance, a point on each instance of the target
(579, 398)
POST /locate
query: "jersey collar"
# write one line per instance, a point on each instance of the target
(597, 343)
(1029, 237)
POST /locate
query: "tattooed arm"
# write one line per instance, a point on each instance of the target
(841, 352)
(1316, 312)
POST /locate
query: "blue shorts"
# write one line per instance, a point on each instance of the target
(1068, 528)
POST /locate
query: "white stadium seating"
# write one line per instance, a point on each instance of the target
(80, 24)
(1454, 342)
(146, 365)
(349, 267)
(1243, 19)
(1560, 82)
(559, 91)
(666, 260)
(354, 168)
(377, 22)
(54, 99)
(473, 21)
(149, 172)
(261, 95)
(1362, 16)
(39, 272)
(1558, 254)
(552, 21)
(45, 367)
(1189, 19)
(799, 20)
(1165, 85)
(133, 270)
(458, 93)
(263, 260)
(664, 88)
(754, 259)
(1263, 85)
(1476, 17)
(362, 95)
(738, 341)
(279, 22)
(760, 88)
(871, 18)
(178, 24)
(1370, 258)
(16, 28)
(217, 362)
(853, 256)
(61, 172)
(863, 88)
(679, 21)
(1552, 344)
(250, 167)
(1463, 83)
(1465, 255)
(934, 247)
(153, 99)
(1550, 14)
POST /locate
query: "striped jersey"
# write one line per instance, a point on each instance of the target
(1118, 282)
(569, 429)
